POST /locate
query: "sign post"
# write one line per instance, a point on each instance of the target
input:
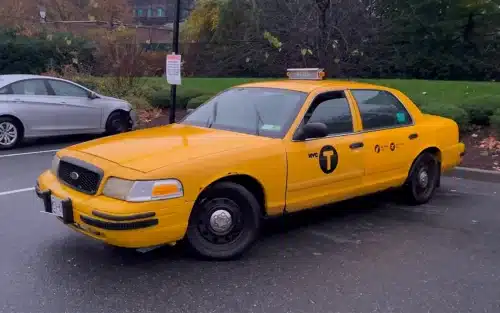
(176, 59)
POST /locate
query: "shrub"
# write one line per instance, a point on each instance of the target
(453, 112)
(480, 109)
(88, 82)
(495, 120)
(138, 103)
(185, 95)
(161, 99)
(41, 53)
(196, 102)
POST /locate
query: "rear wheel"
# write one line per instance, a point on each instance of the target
(117, 123)
(225, 223)
(10, 133)
(423, 179)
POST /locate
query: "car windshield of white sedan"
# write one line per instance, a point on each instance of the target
(264, 112)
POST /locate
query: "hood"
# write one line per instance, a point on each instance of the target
(150, 149)
(111, 98)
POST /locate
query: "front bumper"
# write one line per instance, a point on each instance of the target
(152, 224)
(133, 119)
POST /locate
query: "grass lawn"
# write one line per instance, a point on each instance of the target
(421, 91)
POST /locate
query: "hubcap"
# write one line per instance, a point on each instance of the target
(423, 179)
(118, 125)
(8, 133)
(221, 221)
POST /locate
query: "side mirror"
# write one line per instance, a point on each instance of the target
(311, 130)
(93, 95)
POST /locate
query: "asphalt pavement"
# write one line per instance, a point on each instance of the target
(372, 254)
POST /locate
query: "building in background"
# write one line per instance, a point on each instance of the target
(159, 12)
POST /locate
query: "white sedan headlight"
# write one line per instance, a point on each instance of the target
(55, 164)
(142, 191)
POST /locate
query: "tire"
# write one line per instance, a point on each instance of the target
(11, 133)
(117, 123)
(423, 179)
(221, 242)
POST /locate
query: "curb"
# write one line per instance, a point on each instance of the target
(474, 174)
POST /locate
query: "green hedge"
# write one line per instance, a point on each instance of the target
(196, 102)
(20, 54)
(495, 120)
(480, 109)
(454, 112)
(161, 99)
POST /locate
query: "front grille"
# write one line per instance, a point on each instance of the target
(78, 177)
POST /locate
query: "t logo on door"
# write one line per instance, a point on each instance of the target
(328, 159)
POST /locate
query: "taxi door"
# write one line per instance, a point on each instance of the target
(327, 169)
(390, 137)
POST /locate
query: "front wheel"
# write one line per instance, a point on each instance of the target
(225, 223)
(117, 123)
(423, 179)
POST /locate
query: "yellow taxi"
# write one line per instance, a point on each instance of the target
(252, 151)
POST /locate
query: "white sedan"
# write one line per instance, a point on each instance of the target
(33, 106)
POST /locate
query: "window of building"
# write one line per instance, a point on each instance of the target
(150, 12)
(160, 12)
(140, 12)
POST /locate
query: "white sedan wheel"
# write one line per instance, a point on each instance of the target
(8, 134)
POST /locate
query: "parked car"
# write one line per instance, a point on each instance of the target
(252, 151)
(33, 106)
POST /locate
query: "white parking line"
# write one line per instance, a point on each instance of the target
(27, 153)
(11, 192)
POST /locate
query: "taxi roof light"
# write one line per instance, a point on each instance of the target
(305, 73)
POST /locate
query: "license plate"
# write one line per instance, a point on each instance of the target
(57, 208)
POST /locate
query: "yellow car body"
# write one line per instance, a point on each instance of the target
(283, 174)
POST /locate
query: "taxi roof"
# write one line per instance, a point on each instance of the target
(310, 85)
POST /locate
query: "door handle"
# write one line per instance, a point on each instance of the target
(357, 145)
(413, 136)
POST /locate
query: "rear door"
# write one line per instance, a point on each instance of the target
(78, 113)
(29, 100)
(389, 135)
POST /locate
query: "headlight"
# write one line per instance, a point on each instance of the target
(55, 164)
(142, 191)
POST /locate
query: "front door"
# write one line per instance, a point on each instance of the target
(78, 113)
(329, 169)
(390, 138)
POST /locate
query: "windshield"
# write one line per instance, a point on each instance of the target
(264, 112)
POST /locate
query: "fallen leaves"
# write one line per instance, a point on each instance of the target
(491, 144)
(147, 115)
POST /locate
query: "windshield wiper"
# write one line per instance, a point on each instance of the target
(259, 120)
(211, 121)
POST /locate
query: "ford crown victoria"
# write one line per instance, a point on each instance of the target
(252, 151)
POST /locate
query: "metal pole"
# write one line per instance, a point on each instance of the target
(175, 47)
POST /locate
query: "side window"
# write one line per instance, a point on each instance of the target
(65, 89)
(5, 91)
(32, 87)
(333, 110)
(380, 109)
